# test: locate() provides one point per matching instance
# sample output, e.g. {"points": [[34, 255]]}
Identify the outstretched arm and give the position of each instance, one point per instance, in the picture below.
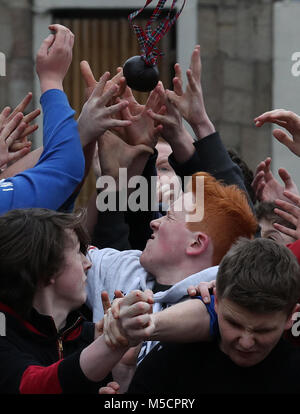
{"points": [[60, 167], [190, 102], [265, 185], [285, 119]]}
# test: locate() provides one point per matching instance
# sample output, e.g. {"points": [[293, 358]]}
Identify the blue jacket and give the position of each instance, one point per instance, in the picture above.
{"points": [[60, 168]]}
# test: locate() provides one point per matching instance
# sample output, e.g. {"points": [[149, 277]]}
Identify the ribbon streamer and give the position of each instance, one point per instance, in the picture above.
{"points": [[149, 38]]}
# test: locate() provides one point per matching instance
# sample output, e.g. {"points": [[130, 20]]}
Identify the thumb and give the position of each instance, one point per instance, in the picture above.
{"points": [[283, 137], [149, 295], [286, 178], [47, 43], [87, 74]]}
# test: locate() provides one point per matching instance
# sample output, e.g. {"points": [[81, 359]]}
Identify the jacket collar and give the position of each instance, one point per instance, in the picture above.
{"points": [[41, 325]]}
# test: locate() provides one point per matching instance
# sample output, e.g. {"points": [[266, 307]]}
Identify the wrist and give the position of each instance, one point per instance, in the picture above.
{"points": [[183, 147], [47, 84], [203, 128]]}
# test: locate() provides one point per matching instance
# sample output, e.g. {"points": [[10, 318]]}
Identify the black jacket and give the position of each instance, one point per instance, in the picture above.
{"points": [[37, 359]]}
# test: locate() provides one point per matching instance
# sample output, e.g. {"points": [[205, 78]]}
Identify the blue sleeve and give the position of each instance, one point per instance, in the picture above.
{"points": [[213, 324], [60, 168]]}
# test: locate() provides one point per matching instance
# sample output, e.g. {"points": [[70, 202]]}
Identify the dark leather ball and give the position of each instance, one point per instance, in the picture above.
{"points": [[140, 76]]}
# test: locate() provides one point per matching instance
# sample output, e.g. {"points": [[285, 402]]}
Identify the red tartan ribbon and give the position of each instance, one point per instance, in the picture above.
{"points": [[149, 38]]}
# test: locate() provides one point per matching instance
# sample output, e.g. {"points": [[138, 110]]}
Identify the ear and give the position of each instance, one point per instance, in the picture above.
{"points": [[198, 244], [290, 321]]}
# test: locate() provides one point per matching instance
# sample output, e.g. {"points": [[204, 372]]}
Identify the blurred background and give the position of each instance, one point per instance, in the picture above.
{"points": [[246, 48]]}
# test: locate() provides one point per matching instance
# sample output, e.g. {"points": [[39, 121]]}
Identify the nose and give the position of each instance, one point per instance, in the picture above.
{"points": [[154, 224], [246, 342]]}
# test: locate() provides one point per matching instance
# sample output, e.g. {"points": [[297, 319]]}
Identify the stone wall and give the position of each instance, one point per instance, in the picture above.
{"points": [[16, 44], [236, 42], [236, 48]]}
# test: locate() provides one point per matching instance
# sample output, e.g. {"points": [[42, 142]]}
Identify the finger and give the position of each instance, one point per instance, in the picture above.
{"points": [[258, 178], [191, 80], [29, 130], [17, 132], [118, 107], [286, 230], [17, 155], [108, 94], [134, 310], [111, 329], [192, 291], [4, 116], [87, 74], [17, 145], [286, 178], [136, 323], [260, 123], [62, 36], [122, 86], [22, 105], [177, 86], [149, 294], [119, 294], [286, 216], [157, 117], [31, 116], [115, 308], [204, 293], [260, 191], [99, 89], [293, 197], [12, 125], [105, 301], [277, 114], [178, 71], [195, 64], [46, 45], [284, 138], [133, 297]]}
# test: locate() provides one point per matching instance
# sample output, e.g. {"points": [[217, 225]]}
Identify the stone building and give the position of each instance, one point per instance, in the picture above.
{"points": [[246, 45]]}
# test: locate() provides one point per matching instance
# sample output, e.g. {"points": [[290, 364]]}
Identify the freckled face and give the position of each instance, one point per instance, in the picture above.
{"points": [[170, 237]]}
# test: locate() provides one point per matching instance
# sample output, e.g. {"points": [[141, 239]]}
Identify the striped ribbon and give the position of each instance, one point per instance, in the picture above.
{"points": [[149, 38]]}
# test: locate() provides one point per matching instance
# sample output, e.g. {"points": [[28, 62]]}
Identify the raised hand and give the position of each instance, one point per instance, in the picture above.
{"points": [[266, 187], [142, 129], [288, 120], [91, 83], [6, 116], [172, 129], [11, 132], [190, 102], [96, 116], [114, 154], [54, 58], [289, 211]]}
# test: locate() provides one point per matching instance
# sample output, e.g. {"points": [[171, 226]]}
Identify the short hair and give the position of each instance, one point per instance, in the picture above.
{"points": [[227, 215], [259, 275], [32, 249], [265, 210]]}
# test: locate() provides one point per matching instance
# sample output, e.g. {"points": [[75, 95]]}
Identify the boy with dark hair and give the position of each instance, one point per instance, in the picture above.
{"points": [[48, 347], [258, 286]]}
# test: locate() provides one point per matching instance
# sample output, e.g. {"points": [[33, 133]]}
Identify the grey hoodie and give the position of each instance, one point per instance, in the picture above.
{"points": [[112, 269]]}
